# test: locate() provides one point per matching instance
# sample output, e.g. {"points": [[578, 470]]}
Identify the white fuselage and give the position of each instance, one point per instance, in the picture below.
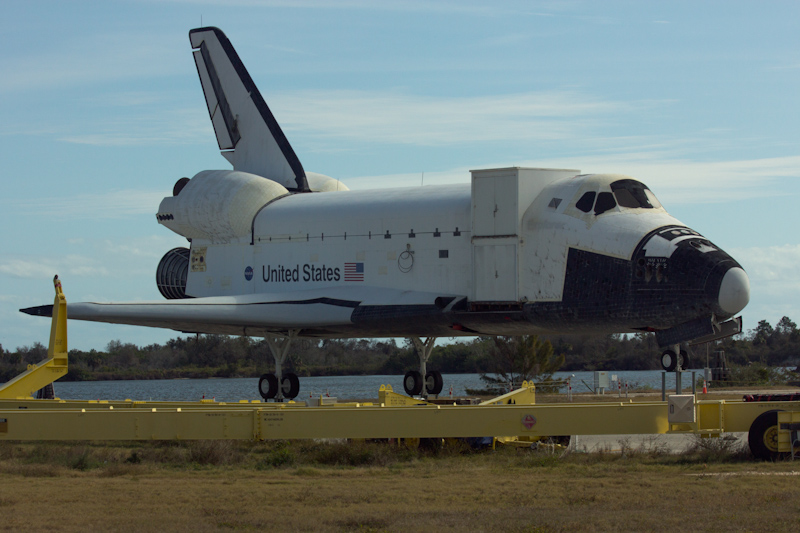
{"points": [[389, 238], [417, 239]]}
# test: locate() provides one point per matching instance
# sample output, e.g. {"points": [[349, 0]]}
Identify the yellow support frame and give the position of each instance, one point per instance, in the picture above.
{"points": [[45, 372], [287, 421], [390, 418]]}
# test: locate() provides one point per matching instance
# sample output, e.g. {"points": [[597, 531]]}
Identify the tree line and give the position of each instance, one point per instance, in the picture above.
{"points": [[221, 356]]}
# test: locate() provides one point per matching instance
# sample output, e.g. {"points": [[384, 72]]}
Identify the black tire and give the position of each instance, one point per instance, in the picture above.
{"points": [[763, 437], [563, 440], [669, 360], [290, 384], [434, 382], [268, 386], [412, 383], [46, 393], [684, 360]]}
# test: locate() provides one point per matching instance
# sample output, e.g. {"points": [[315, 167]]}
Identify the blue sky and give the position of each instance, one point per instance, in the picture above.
{"points": [[102, 112]]}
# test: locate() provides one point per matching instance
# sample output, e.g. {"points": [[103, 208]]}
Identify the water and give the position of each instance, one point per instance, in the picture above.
{"points": [[343, 387]]}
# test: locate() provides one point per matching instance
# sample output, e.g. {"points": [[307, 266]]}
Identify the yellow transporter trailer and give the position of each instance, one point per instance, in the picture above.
{"points": [[772, 425]]}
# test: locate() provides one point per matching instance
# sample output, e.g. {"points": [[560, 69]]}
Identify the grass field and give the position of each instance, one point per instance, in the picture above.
{"points": [[306, 486]]}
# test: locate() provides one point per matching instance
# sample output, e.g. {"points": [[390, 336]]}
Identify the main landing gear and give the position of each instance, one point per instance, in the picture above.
{"points": [[278, 386], [675, 357], [413, 383]]}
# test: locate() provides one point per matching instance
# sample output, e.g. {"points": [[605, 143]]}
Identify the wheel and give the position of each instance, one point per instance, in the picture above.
{"points": [[290, 385], [684, 360], [46, 393], [669, 360], [434, 382], [763, 437], [412, 382], [563, 440], [268, 386]]}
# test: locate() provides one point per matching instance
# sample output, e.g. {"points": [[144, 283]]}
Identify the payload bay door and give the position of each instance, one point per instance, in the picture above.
{"points": [[494, 205], [495, 269], [495, 223]]}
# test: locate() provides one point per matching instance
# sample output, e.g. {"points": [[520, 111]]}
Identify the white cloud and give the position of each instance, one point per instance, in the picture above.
{"points": [[135, 249], [144, 118], [27, 268], [144, 126], [372, 5], [772, 267], [47, 267], [683, 181], [774, 285], [679, 181], [393, 117], [512, 39], [93, 58], [787, 66], [112, 204]]}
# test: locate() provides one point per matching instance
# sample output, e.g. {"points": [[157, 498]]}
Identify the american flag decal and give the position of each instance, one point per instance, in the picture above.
{"points": [[354, 271]]}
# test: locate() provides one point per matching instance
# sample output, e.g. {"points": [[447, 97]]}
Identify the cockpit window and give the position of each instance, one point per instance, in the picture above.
{"points": [[605, 202], [632, 193], [652, 197], [586, 202]]}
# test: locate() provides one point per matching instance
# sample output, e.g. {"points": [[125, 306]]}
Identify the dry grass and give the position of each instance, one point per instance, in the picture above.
{"points": [[304, 486]]}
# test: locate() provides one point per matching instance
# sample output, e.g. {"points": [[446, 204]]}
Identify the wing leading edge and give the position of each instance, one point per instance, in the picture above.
{"points": [[318, 312]]}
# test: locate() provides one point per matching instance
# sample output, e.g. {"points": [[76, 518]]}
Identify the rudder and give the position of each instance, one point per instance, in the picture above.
{"points": [[247, 132]]}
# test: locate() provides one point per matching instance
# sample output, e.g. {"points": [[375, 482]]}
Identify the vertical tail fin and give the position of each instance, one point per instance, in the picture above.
{"points": [[247, 132]]}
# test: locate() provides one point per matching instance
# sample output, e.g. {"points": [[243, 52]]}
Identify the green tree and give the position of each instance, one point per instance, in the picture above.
{"points": [[513, 360], [786, 326], [763, 333]]}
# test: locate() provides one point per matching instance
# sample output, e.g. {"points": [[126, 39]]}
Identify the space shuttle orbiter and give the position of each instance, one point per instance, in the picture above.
{"points": [[279, 252]]}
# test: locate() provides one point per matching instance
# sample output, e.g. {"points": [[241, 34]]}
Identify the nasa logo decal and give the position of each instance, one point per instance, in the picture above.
{"points": [[248, 273]]}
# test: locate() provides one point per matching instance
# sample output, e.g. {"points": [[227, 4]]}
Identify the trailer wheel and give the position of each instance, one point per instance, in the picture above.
{"points": [[268, 386], [763, 437], [412, 383]]}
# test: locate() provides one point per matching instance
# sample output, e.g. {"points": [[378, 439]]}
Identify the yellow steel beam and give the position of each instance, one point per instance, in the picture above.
{"points": [[128, 424], [74, 420], [60, 404], [738, 416], [50, 369], [285, 422]]}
